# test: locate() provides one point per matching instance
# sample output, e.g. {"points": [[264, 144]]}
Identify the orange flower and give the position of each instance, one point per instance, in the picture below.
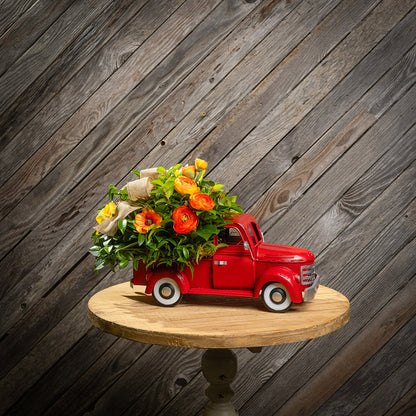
{"points": [[201, 202], [201, 164], [188, 171], [185, 220], [185, 185], [145, 219]]}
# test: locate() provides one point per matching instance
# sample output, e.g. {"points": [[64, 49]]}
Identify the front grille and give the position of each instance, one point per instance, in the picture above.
{"points": [[307, 274]]}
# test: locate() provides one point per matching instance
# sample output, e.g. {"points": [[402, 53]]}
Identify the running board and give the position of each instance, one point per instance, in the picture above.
{"points": [[223, 292]]}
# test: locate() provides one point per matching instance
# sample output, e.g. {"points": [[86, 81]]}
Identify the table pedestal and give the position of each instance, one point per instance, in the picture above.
{"points": [[219, 367]]}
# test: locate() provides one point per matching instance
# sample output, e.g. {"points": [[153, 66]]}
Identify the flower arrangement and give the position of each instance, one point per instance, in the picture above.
{"points": [[166, 217]]}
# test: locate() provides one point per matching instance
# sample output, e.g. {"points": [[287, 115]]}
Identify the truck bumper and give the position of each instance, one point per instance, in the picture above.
{"points": [[310, 292]]}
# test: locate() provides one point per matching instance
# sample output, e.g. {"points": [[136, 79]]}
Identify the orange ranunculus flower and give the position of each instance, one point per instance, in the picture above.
{"points": [[188, 171], [185, 185], [201, 202], [201, 164], [108, 211], [145, 219], [185, 220]]}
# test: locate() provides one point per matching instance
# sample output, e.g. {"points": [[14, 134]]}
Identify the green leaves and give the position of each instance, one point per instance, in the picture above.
{"points": [[207, 231], [122, 225], [114, 192]]}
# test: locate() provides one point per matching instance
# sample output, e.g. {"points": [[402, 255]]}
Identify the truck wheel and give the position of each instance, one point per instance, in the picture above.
{"points": [[275, 297], [167, 292]]}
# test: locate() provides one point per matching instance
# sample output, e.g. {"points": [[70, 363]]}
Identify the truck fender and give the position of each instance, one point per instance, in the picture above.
{"points": [[176, 275], [283, 275]]}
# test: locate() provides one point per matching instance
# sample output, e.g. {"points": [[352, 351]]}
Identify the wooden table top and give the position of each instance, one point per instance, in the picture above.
{"points": [[203, 321]]}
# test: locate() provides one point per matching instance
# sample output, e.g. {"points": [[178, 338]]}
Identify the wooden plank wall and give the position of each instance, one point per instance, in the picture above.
{"points": [[305, 109]]}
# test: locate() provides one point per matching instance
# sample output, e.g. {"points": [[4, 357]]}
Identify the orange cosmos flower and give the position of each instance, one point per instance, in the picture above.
{"points": [[185, 220], [201, 164], [145, 219], [185, 185], [201, 202]]}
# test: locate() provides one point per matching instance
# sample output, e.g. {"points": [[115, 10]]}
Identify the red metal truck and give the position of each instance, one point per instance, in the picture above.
{"points": [[247, 267]]}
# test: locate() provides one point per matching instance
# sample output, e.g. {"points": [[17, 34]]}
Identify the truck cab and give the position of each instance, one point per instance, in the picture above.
{"points": [[246, 267]]}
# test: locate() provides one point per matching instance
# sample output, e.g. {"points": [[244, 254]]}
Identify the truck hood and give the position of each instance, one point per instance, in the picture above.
{"points": [[283, 254]]}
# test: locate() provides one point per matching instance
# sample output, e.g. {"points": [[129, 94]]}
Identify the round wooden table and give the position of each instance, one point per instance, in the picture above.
{"points": [[216, 323]]}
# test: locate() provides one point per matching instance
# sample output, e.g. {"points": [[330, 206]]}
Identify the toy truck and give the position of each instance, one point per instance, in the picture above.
{"points": [[246, 267]]}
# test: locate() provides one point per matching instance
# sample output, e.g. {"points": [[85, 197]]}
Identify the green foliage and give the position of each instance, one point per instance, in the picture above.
{"points": [[161, 245]]}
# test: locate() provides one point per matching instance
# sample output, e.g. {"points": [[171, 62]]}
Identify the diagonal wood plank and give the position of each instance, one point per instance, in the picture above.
{"points": [[96, 379], [254, 108], [369, 187], [124, 393], [112, 362], [119, 84], [341, 99], [386, 204], [10, 11], [405, 406], [105, 44], [46, 313], [370, 376], [398, 119], [311, 90], [30, 26], [52, 42], [357, 352], [49, 350]]}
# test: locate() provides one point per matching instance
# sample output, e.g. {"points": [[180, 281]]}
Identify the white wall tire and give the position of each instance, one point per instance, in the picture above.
{"points": [[167, 292], [275, 297]]}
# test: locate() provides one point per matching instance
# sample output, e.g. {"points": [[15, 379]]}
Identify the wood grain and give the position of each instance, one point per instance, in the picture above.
{"points": [[195, 322], [405, 406], [307, 93], [104, 44], [47, 47], [10, 11], [304, 110], [368, 76], [29, 26], [368, 380], [399, 118]]}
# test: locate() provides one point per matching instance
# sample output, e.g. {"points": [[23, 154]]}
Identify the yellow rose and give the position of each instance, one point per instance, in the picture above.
{"points": [[108, 211]]}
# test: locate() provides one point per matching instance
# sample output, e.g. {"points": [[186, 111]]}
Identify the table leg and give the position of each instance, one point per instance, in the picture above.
{"points": [[219, 367]]}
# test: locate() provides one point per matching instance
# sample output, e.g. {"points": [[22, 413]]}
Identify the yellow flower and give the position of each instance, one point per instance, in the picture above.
{"points": [[108, 211], [188, 171], [201, 164], [185, 185]]}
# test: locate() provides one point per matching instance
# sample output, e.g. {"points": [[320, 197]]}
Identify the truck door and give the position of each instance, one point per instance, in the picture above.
{"points": [[233, 266]]}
